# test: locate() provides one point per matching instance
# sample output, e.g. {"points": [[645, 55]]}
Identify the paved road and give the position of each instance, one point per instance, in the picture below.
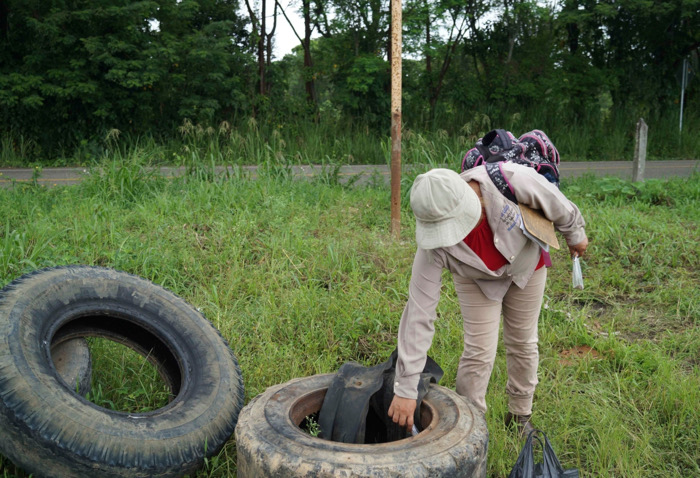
{"points": [[360, 174]]}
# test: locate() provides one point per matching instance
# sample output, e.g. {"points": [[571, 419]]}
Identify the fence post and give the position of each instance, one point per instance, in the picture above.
{"points": [[396, 43], [640, 151]]}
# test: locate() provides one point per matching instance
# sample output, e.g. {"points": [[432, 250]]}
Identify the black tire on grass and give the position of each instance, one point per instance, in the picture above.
{"points": [[48, 429], [271, 444]]}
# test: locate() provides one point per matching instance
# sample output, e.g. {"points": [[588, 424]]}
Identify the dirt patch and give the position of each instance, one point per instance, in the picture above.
{"points": [[653, 326], [200, 232], [595, 307], [570, 356]]}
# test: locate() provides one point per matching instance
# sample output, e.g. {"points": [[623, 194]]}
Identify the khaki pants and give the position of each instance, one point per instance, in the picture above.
{"points": [[521, 309]]}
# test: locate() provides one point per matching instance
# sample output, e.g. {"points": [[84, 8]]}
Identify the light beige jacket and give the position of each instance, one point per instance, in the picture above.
{"points": [[416, 329]]}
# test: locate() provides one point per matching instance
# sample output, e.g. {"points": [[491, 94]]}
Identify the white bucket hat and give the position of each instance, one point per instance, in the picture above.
{"points": [[446, 208]]}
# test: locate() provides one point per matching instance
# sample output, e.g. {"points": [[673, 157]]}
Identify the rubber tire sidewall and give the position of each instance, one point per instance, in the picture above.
{"points": [[270, 445], [73, 364], [49, 430]]}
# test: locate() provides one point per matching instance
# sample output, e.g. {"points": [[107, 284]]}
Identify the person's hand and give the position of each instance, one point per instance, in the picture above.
{"points": [[401, 411], [579, 249]]}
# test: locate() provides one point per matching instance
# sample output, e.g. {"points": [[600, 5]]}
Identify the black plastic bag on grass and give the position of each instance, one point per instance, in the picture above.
{"points": [[525, 466]]}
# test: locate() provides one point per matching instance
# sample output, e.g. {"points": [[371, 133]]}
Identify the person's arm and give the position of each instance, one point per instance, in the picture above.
{"points": [[416, 332], [532, 189]]}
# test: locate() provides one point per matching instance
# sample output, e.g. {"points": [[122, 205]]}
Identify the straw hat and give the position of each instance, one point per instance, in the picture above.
{"points": [[446, 208]]}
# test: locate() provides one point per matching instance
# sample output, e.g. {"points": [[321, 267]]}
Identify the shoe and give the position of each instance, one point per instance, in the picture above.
{"points": [[521, 423]]}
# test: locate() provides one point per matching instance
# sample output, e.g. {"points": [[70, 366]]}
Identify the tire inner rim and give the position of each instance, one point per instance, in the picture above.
{"points": [[121, 328], [311, 403]]}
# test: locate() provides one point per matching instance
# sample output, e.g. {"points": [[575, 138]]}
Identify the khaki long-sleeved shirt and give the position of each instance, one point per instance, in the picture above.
{"points": [[416, 329]]}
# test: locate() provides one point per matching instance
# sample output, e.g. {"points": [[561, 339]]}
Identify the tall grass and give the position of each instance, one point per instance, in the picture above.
{"points": [[608, 136], [17, 150], [301, 277], [124, 380]]}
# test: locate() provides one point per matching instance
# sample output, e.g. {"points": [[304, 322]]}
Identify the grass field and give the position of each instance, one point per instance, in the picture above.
{"points": [[337, 141], [301, 277]]}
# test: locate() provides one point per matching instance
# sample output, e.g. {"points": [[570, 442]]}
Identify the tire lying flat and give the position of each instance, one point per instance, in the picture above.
{"points": [[48, 429], [270, 444]]}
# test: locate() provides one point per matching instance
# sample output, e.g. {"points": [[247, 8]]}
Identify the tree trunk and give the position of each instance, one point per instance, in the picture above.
{"points": [[572, 30], [261, 50], [269, 37], [478, 58], [308, 64], [258, 32], [436, 87], [428, 56]]}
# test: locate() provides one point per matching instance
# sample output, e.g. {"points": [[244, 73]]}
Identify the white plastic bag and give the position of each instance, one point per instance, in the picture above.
{"points": [[577, 277]]}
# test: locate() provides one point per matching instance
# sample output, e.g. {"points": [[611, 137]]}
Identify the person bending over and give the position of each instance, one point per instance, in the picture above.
{"points": [[464, 224]]}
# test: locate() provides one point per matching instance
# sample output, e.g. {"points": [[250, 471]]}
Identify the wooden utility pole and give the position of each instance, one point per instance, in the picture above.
{"points": [[396, 41]]}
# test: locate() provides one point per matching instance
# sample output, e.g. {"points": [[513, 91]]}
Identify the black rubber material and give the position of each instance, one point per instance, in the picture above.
{"points": [[49, 430], [270, 442], [73, 363]]}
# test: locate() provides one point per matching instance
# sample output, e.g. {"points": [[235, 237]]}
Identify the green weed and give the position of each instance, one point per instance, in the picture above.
{"points": [[303, 276], [123, 380], [310, 425]]}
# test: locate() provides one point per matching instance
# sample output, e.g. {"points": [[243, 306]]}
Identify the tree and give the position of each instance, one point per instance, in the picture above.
{"points": [[637, 43], [206, 47], [71, 72], [354, 38], [263, 40], [306, 45], [66, 72]]}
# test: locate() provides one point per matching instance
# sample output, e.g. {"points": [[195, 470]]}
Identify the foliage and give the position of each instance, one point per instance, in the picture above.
{"points": [[301, 277], [71, 73], [583, 71]]}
